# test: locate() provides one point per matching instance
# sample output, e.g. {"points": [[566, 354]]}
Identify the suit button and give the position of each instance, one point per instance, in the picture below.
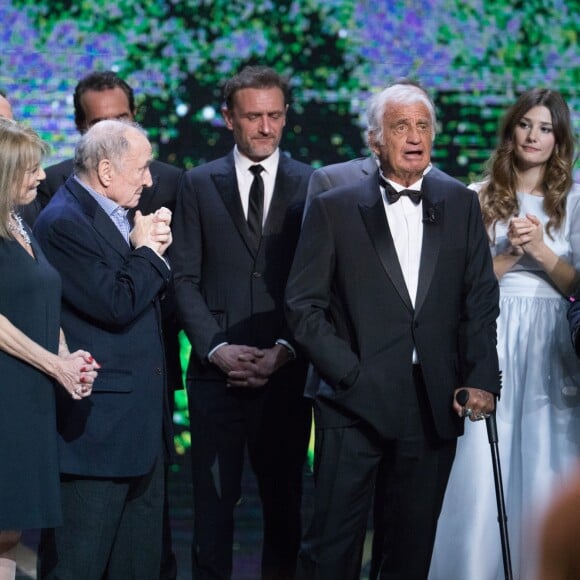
{"points": [[257, 274], [415, 325], [157, 371]]}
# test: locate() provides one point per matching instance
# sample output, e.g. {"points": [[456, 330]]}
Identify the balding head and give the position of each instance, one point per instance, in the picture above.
{"points": [[113, 158]]}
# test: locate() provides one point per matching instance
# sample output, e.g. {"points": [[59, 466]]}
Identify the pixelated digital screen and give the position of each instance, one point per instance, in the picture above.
{"points": [[473, 56]]}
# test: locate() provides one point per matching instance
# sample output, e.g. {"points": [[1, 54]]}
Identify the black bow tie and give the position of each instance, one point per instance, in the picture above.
{"points": [[393, 195]]}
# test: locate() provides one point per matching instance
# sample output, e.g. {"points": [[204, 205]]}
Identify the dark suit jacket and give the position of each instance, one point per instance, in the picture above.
{"points": [[349, 307], [166, 182], [110, 307], [339, 174], [227, 290]]}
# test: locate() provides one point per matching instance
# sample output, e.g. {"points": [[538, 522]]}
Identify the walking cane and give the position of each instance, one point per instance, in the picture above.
{"points": [[462, 397]]}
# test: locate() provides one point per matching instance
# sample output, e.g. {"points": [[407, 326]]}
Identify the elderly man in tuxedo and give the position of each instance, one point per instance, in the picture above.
{"points": [[323, 179], [236, 226], [112, 446], [393, 298]]}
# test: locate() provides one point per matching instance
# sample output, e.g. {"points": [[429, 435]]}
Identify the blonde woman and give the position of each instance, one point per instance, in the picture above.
{"points": [[33, 353]]}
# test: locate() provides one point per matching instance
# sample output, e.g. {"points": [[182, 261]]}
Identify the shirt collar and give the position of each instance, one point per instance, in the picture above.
{"points": [[414, 186], [270, 164], [108, 205]]}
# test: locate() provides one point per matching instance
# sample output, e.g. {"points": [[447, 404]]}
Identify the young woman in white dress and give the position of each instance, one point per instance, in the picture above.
{"points": [[531, 208]]}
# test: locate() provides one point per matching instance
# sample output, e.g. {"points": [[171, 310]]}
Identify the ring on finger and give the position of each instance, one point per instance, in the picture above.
{"points": [[467, 412]]}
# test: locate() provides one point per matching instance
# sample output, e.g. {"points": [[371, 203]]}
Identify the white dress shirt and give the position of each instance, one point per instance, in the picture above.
{"points": [[245, 178], [405, 221]]}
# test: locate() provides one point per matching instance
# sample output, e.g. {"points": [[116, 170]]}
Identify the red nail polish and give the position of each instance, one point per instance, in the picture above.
{"points": [[90, 359]]}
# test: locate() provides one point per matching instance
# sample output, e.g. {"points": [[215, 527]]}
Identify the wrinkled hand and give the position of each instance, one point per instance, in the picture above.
{"points": [[240, 364], [161, 231], [480, 404], [77, 372], [526, 233], [152, 230]]}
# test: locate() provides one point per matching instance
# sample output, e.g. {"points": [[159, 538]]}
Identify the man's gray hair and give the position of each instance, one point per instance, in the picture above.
{"points": [[404, 93], [105, 140]]}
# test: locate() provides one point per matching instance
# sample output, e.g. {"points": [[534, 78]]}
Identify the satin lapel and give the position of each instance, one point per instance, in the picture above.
{"points": [[433, 220], [227, 186], [285, 187], [375, 220], [102, 223]]}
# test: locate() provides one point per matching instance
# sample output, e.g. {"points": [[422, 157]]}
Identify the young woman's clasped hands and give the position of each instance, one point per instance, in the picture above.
{"points": [[526, 235]]}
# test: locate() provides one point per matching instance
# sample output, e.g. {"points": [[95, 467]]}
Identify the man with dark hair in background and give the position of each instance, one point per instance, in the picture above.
{"points": [[236, 225], [99, 96]]}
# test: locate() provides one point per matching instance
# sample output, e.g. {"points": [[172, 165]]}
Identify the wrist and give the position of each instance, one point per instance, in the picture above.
{"points": [[287, 349], [546, 258]]}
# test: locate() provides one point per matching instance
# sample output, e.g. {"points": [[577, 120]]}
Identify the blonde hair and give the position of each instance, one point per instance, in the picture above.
{"points": [[21, 149]]}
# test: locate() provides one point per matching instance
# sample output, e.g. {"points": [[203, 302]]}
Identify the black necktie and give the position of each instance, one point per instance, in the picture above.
{"points": [[256, 202], [393, 195]]}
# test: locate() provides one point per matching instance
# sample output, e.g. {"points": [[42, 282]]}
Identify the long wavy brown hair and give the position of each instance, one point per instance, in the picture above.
{"points": [[498, 195]]}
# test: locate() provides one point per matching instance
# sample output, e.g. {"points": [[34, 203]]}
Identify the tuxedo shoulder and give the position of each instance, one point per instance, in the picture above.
{"points": [[352, 165], [220, 165], [62, 168], [351, 193], [165, 169], [437, 176], [295, 165]]}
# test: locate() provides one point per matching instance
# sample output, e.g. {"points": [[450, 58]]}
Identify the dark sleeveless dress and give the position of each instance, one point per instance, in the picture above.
{"points": [[29, 474]]}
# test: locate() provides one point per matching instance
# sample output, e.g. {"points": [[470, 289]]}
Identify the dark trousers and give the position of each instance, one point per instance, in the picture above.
{"points": [[274, 424], [168, 559], [112, 529], [414, 470]]}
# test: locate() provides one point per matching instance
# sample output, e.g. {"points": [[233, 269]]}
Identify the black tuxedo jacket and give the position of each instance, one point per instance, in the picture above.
{"points": [[110, 307], [227, 290], [348, 305], [338, 175], [166, 182]]}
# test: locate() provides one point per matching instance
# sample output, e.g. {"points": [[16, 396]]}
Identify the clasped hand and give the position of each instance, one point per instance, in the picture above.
{"points": [[248, 366], [152, 230], [77, 373], [526, 235]]}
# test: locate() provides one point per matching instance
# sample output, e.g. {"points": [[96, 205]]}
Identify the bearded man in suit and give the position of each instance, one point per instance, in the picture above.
{"points": [[393, 298], [236, 226]]}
